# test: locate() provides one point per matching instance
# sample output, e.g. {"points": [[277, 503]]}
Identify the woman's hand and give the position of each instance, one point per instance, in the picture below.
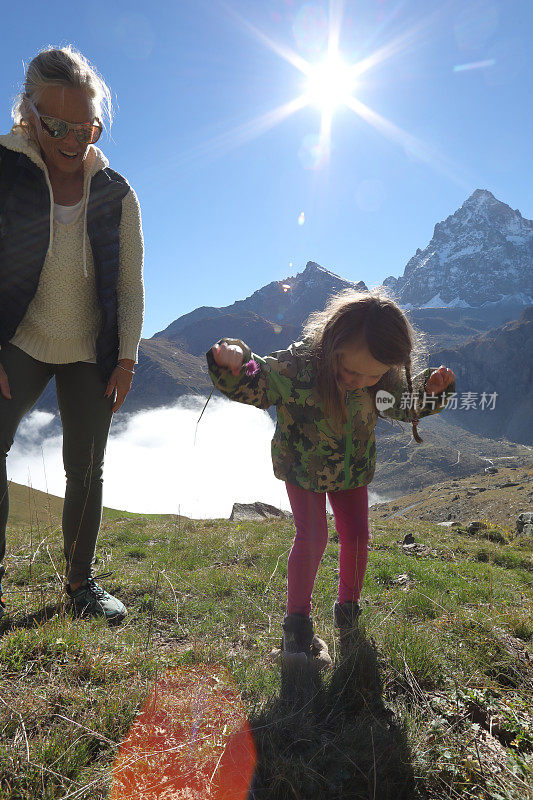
{"points": [[4, 384], [120, 381], [229, 356], [439, 380]]}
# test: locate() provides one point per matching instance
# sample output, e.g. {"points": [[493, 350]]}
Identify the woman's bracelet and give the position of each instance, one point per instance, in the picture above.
{"points": [[131, 371]]}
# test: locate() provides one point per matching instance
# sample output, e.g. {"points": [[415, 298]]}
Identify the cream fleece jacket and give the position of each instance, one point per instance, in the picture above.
{"points": [[63, 319]]}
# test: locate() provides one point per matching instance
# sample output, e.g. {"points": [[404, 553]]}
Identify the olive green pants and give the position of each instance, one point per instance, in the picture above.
{"points": [[85, 418]]}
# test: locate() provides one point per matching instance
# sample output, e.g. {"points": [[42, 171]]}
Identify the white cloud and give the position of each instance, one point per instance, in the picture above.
{"points": [[34, 423], [154, 465]]}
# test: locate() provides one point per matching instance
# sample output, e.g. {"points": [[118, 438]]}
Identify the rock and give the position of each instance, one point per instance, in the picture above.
{"points": [[243, 512], [401, 580], [416, 549], [409, 539], [321, 656], [491, 470], [524, 524], [475, 526]]}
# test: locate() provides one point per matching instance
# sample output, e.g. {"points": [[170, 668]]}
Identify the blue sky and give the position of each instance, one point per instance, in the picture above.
{"points": [[221, 198]]}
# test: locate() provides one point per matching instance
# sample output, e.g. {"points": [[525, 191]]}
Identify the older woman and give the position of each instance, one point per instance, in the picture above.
{"points": [[71, 292]]}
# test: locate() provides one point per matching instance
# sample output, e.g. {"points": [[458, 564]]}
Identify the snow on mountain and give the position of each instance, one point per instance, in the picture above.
{"points": [[481, 254]]}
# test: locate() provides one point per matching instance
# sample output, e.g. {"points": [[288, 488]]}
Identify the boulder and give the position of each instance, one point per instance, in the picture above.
{"points": [[243, 512], [475, 526], [524, 524]]}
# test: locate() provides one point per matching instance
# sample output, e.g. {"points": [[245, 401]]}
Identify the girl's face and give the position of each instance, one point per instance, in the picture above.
{"points": [[357, 368], [72, 105]]}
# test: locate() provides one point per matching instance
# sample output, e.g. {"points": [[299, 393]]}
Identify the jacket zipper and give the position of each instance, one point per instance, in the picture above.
{"points": [[348, 446]]}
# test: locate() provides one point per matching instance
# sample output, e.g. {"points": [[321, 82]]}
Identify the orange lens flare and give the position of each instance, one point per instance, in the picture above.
{"points": [[191, 740]]}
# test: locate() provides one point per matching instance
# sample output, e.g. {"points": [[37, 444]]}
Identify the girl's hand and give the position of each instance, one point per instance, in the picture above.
{"points": [[4, 384], [228, 356], [439, 380], [120, 381]]}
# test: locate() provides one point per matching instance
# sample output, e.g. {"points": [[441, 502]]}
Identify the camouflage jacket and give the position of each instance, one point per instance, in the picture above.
{"points": [[306, 451]]}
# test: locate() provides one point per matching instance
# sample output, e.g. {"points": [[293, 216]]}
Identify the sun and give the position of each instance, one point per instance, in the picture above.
{"points": [[330, 84]]}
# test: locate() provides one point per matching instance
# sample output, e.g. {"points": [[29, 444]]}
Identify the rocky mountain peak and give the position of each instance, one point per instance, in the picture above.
{"points": [[284, 303], [484, 212], [311, 267], [315, 275], [482, 253], [480, 197]]}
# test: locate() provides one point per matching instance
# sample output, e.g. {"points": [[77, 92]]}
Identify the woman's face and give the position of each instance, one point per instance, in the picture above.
{"points": [[357, 368], [71, 105]]}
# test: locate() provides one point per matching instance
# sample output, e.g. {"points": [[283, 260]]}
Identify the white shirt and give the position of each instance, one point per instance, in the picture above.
{"points": [[67, 214]]}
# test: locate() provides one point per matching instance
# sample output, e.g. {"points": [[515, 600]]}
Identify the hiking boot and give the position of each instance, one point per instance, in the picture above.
{"points": [[91, 600], [346, 620], [299, 644], [297, 638]]}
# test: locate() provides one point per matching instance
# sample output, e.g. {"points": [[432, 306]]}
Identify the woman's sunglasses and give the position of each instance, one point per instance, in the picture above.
{"points": [[85, 132]]}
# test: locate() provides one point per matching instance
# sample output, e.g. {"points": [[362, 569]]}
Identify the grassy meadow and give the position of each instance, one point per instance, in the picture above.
{"points": [[433, 702]]}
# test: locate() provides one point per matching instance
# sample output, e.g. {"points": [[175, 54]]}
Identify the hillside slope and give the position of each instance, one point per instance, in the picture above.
{"points": [[495, 498], [431, 700]]}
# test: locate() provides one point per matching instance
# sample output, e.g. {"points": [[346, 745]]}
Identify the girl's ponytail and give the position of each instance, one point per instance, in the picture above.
{"points": [[415, 419]]}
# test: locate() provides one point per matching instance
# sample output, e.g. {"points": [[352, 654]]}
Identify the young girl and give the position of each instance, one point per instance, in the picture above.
{"points": [[353, 365]]}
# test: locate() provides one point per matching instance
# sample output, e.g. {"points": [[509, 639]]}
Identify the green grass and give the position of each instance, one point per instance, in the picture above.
{"points": [[443, 660]]}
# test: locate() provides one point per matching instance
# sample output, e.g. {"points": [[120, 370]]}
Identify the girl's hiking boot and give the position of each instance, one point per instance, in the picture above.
{"points": [[91, 600], [346, 620], [297, 639], [300, 645]]}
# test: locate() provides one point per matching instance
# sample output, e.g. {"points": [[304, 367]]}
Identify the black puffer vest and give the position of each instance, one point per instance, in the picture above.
{"points": [[24, 238]]}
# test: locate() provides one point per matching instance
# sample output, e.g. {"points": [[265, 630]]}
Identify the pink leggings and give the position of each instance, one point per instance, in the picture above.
{"points": [[350, 509]]}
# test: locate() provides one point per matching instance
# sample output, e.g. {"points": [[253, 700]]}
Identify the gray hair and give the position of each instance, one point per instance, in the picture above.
{"points": [[61, 66]]}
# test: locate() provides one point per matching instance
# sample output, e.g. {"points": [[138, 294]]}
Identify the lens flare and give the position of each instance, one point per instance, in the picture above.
{"points": [[301, 218], [191, 739], [331, 83], [314, 152], [310, 29], [489, 62]]}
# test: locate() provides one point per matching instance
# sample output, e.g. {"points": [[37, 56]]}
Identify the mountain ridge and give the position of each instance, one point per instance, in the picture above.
{"points": [[483, 238]]}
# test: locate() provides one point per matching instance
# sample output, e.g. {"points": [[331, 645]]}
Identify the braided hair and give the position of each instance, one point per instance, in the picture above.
{"points": [[414, 420]]}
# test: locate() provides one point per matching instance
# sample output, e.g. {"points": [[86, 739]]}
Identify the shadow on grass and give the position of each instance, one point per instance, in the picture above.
{"points": [[33, 620], [332, 741]]}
